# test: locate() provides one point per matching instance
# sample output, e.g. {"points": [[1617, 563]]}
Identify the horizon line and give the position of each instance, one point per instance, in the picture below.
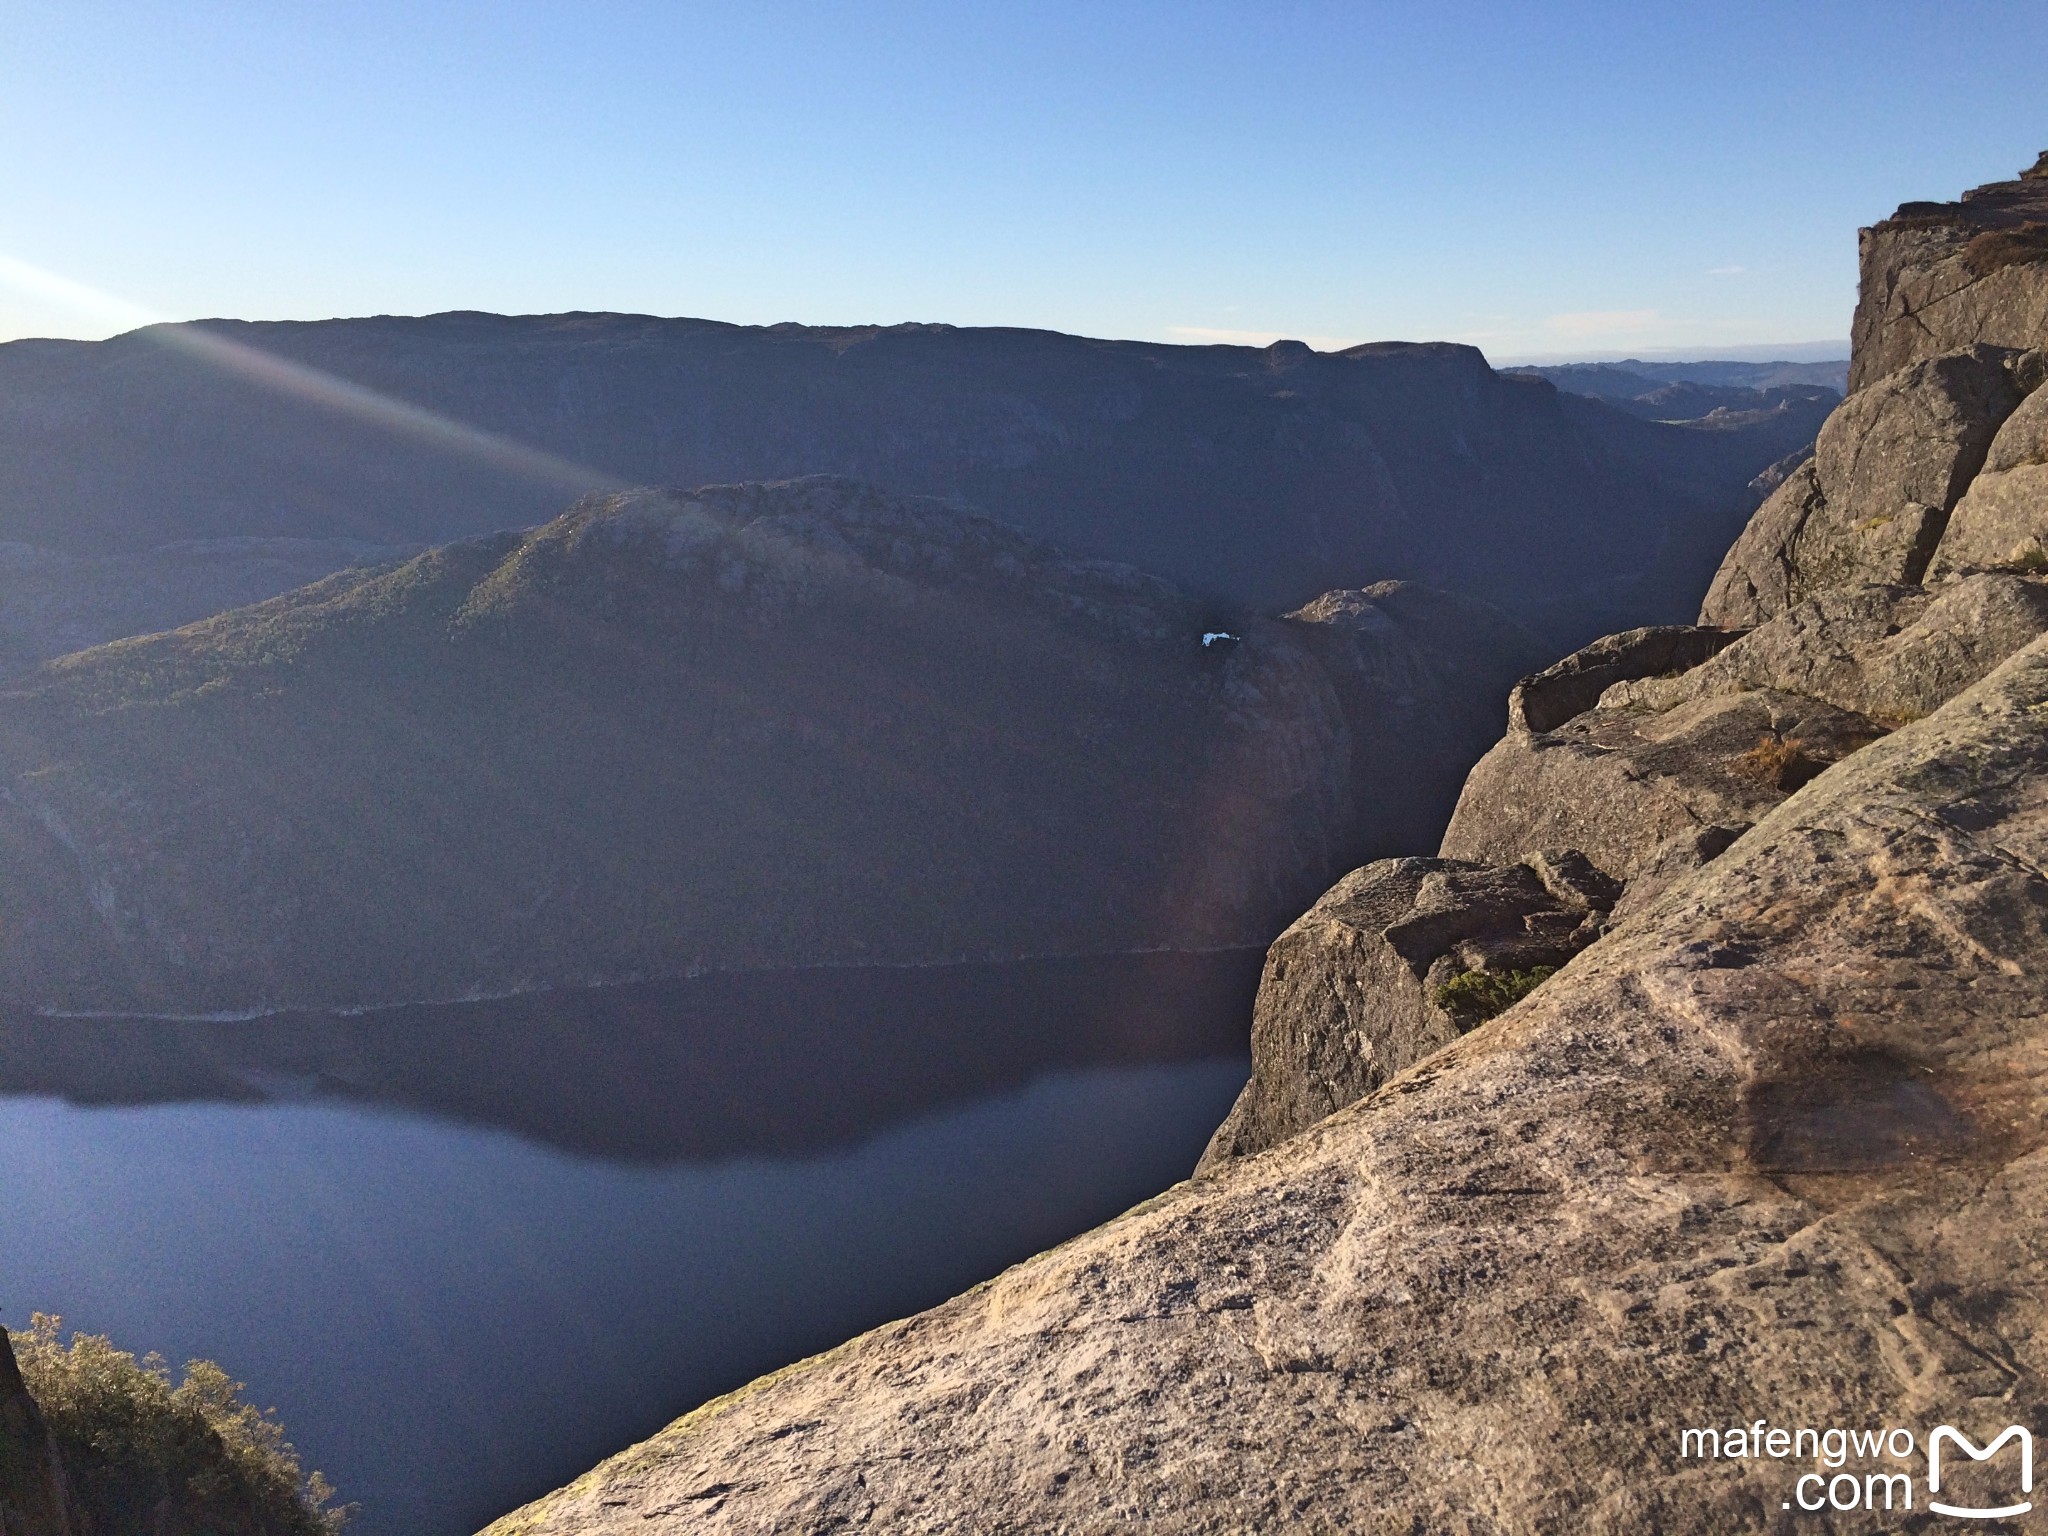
{"points": [[1746, 352]]}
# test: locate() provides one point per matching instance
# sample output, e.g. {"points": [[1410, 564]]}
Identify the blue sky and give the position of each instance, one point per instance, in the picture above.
{"points": [[1539, 179]]}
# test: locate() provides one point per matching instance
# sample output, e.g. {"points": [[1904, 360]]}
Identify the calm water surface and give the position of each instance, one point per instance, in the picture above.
{"points": [[452, 1318]]}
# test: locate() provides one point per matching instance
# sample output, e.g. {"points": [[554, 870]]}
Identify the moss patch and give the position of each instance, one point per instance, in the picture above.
{"points": [[1473, 997]]}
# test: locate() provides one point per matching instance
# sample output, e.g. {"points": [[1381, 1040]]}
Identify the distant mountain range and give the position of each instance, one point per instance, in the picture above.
{"points": [[1701, 395], [1253, 475], [1633, 376], [776, 722]]}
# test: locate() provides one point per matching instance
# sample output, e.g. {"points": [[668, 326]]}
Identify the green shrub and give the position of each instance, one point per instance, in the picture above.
{"points": [[1473, 997], [130, 1440]]}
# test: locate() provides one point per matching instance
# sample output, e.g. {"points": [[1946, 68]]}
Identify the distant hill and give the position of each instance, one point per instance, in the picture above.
{"points": [[1253, 475], [749, 726]]}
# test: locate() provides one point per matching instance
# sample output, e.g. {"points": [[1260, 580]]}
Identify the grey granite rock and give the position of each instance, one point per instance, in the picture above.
{"points": [[1891, 464], [1758, 577], [1773, 1150], [1350, 996], [1663, 756], [1616, 783], [1893, 653], [1937, 276], [1671, 861], [2002, 520], [1572, 686]]}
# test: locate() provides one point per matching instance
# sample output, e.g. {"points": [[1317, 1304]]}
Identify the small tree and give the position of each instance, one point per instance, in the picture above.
{"points": [[194, 1456]]}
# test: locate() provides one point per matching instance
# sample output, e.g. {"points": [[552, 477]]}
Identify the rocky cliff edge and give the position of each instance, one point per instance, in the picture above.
{"points": [[1761, 1143]]}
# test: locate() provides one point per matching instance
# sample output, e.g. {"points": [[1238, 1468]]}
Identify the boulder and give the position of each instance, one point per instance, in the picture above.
{"points": [[1353, 991], [1773, 1150], [1663, 756], [1892, 653], [1757, 577], [1890, 466], [2002, 520], [1616, 782], [1572, 686]]}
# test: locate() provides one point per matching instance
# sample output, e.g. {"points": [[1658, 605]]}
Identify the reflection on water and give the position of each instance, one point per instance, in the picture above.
{"points": [[707, 1066], [452, 1318]]}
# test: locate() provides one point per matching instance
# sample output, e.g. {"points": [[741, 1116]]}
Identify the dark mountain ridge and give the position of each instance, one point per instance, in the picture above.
{"points": [[1695, 401], [1258, 475]]}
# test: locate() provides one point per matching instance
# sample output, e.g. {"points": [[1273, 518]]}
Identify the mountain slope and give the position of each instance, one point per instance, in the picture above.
{"points": [[1262, 476], [779, 725]]}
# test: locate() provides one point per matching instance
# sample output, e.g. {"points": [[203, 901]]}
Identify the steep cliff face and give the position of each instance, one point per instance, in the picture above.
{"points": [[1767, 1146], [1938, 277], [1651, 752], [1889, 470], [749, 726]]}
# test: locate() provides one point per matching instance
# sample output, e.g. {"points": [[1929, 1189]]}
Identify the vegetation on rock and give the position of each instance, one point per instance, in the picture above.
{"points": [[142, 1453], [1473, 997]]}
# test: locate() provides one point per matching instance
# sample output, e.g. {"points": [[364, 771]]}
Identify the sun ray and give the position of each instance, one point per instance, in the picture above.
{"points": [[400, 417]]}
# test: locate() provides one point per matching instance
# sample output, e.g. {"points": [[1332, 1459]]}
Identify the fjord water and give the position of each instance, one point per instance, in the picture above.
{"points": [[466, 1257]]}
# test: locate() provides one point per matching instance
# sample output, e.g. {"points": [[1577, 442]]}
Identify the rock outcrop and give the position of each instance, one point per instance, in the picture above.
{"points": [[1619, 781], [2002, 519], [1677, 754], [1366, 983], [1874, 501], [1570, 687], [1941, 276]]}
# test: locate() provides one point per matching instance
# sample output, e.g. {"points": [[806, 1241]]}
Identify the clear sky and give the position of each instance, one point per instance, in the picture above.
{"points": [[1536, 178]]}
